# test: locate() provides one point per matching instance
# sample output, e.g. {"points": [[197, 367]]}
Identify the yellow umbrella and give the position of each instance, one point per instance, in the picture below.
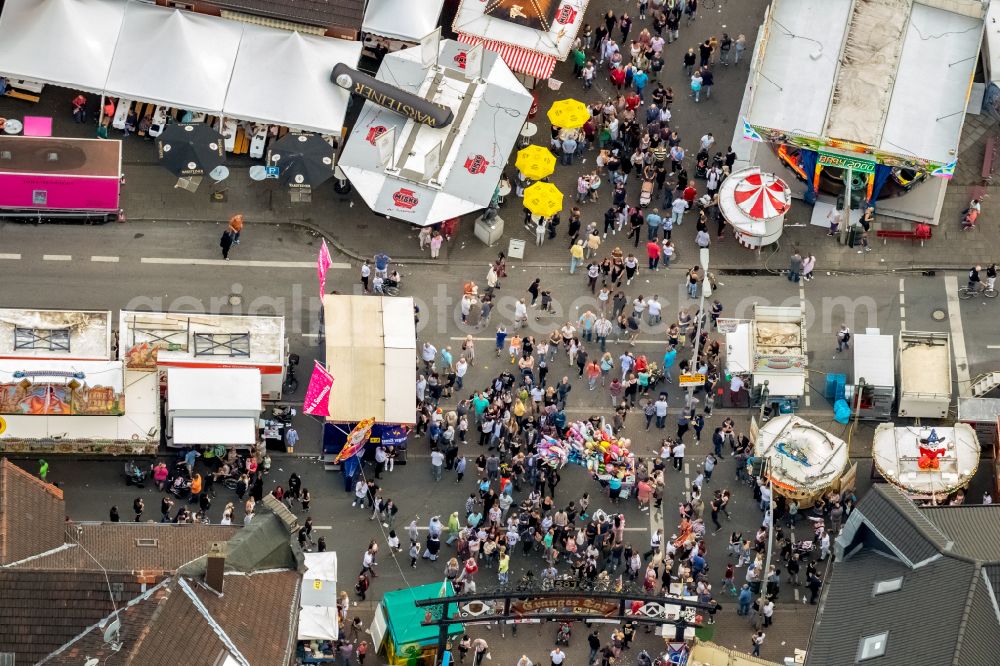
{"points": [[543, 199], [568, 113], [535, 162]]}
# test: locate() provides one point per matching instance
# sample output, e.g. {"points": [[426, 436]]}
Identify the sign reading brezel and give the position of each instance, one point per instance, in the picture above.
{"points": [[405, 103]]}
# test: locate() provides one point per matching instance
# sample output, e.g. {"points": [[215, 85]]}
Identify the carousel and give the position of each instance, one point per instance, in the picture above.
{"points": [[929, 464], [802, 461], [755, 204]]}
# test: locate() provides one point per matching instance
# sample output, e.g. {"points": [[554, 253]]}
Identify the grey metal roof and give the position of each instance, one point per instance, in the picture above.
{"points": [[979, 633], [975, 529], [889, 512], [850, 612]]}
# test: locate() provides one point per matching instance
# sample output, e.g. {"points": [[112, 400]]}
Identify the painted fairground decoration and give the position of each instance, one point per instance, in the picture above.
{"points": [[782, 137], [59, 394], [460, 59], [404, 198], [537, 14]]}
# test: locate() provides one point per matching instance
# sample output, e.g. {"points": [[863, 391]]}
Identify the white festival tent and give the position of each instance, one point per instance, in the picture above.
{"points": [[405, 20], [139, 51], [474, 148]]}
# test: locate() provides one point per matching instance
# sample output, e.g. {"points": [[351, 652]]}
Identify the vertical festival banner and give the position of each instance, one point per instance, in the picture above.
{"points": [[323, 264], [317, 400]]}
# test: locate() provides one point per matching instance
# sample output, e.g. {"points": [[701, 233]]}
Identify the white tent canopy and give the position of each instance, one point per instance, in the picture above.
{"points": [[174, 58], [402, 19], [284, 78], [140, 51], [318, 602], [64, 42]]}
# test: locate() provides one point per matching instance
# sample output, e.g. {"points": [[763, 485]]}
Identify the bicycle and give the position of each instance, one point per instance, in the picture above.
{"points": [[965, 293]]}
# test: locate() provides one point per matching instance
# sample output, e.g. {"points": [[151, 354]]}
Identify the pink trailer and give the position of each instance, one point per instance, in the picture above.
{"points": [[59, 179]]}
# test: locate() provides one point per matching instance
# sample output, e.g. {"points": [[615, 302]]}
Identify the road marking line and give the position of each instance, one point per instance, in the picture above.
{"points": [[993, 346], [309, 335], [902, 312], [57, 257], [902, 298], [236, 262], [107, 260], [12, 255], [958, 337], [902, 301], [322, 527]]}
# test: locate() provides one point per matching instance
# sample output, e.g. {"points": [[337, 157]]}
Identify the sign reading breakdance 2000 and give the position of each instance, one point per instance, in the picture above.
{"points": [[402, 102]]}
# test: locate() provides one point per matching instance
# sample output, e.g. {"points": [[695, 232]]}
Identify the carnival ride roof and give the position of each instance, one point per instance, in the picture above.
{"points": [[803, 458], [896, 453]]}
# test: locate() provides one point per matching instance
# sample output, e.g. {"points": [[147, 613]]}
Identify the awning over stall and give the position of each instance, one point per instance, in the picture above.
{"points": [[63, 42], [519, 59], [143, 52], [190, 431], [283, 78], [404, 20]]}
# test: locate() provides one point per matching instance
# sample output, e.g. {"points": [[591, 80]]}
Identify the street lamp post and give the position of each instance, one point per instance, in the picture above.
{"points": [[706, 290]]}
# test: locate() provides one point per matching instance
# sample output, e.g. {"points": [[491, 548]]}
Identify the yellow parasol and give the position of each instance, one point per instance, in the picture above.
{"points": [[568, 113], [543, 199], [535, 162]]}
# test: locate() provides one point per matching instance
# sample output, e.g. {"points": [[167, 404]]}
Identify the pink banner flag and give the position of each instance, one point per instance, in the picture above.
{"points": [[317, 400], [322, 266]]}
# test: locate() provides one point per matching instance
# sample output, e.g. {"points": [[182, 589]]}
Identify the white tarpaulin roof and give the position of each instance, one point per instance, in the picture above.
{"points": [[174, 57], [371, 350], [475, 146], [406, 20], [140, 51], [318, 623], [65, 42], [215, 430], [318, 600], [284, 78], [850, 71]]}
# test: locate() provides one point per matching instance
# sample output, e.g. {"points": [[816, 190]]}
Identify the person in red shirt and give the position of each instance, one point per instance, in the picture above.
{"points": [[653, 253], [618, 77], [633, 101], [689, 194]]}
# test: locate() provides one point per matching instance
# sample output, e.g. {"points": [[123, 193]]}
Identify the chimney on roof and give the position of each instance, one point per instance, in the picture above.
{"points": [[215, 567]]}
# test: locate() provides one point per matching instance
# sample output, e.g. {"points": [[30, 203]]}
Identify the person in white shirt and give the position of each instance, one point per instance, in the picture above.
{"points": [[679, 206], [461, 368], [735, 386], [520, 313], [360, 490], [654, 307], [707, 141], [557, 656], [437, 464]]}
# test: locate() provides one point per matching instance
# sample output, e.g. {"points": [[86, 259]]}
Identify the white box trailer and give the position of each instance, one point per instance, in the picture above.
{"points": [[213, 406], [875, 363], [924, 374]]}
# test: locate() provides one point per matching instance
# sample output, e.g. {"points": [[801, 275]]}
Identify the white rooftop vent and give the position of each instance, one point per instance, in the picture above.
{"points": [[872, 646]]}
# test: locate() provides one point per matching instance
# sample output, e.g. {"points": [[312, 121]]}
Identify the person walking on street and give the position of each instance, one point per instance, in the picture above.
{"points": [[843, 338], [366, 272], [226, 242], [795, 267], [480, 649], [757, 640]]}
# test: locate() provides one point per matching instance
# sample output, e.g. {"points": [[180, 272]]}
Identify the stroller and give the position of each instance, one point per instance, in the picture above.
{"points": [[646, 194]]}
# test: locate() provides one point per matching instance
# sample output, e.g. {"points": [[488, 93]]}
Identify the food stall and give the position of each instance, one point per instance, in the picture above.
{"points": [[62, 391], [926, 463], [803, 461], [874, 388], [423, 173], [212, 407], [401, 23], [529, 36], [769, 348], [755, 203], [397, 633], [318, 620], [156, 341], [371, 347]]}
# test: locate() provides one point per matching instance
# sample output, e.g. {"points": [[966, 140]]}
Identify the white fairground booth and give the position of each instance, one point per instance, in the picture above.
{"points": [[210, 407], [62, 390]]}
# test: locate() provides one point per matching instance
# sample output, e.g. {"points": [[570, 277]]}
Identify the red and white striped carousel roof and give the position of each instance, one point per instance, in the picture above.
{"points": [[762, 196]]}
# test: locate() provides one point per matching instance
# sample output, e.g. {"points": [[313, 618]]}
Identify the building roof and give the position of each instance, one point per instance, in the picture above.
{"points": [[32, 513], [253, 622], [42, 610], [940, 561], [846, 72], [323, 13], [130, 547]]}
